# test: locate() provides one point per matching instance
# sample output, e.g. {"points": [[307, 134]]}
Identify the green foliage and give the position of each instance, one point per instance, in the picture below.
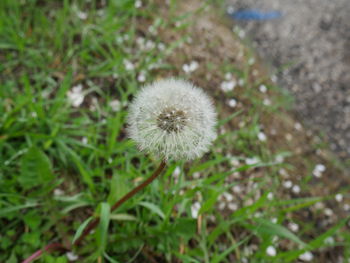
{"points": [[59, 163]]}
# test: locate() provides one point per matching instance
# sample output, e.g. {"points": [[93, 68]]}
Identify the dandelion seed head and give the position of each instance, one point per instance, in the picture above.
{"points": [[172, 119]]}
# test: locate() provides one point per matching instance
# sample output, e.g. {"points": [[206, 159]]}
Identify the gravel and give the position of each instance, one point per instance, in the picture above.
{"points": [[311, 43]]}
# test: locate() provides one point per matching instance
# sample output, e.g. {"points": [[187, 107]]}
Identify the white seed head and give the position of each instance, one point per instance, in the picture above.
{"points": [[172, 119]]}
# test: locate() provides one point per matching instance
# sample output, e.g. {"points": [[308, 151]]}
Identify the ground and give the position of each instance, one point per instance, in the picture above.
{"points": [[309, 45]]}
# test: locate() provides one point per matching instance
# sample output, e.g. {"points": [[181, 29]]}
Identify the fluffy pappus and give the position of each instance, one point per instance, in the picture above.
{"points": [[172, 119]]}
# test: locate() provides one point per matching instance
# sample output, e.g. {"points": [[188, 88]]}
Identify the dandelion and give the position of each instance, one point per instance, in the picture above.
{"points": [[172, 119]]}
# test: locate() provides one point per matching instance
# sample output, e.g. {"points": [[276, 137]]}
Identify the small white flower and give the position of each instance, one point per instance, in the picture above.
{"points": [[232, 103], [329, 241], [76, 96], [228, 76], [172, 119], [262, 136], [241, 82], [251, 161], [232, 206], [188, 68], [177, 172], [267, 102], [230, 9], [128, 65], [318, 170], [270, 196], [82, 15], [262, 88], [141, 77], [296, 189], [138, 3], [228, 85], [328, 211], [58, 192], [307, 256], [195, 209], [346, 207], [339, 197], [71, 256], [288, 184], [293, 226], [84, 140], [251, 61], [271, 251], [115, 105]]}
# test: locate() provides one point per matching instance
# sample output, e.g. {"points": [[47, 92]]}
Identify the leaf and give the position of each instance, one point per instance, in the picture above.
{"points": [[36, 169], [81, 229], [267, 227], [118, 188], [105, 210], [185, 227], [123, 217], [154, 208]]}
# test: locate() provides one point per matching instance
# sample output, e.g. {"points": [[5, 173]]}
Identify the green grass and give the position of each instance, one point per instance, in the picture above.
{"points": [[46, 144]]}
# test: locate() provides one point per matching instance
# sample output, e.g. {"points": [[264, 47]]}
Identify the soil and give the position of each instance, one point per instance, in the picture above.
{"points": [[311, 41]]}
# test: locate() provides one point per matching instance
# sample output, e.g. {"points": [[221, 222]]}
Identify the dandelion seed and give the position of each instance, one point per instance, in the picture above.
{"points": [[318, 170], [172, 119], [307, 256], [271, 251], [195, 209], [346, 207], [84, 140]]}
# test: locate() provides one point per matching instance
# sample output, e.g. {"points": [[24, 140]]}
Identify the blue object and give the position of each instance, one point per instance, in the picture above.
{"points": [[253, 14]]}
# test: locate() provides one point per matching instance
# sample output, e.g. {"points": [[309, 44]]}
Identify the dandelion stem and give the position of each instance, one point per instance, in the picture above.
{"points": [[94, 223], [126, 197]]}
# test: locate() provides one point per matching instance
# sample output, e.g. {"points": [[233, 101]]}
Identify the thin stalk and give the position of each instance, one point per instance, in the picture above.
{"points": [[94, 223]]}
